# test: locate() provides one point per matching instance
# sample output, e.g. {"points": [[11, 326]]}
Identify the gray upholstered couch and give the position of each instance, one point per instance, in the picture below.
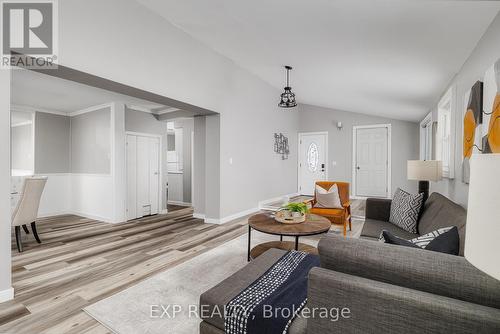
{"points": [[438, 212], [387, 288]]}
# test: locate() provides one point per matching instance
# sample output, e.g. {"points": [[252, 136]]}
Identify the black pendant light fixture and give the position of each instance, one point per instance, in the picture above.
{"points": [[287, 97]]}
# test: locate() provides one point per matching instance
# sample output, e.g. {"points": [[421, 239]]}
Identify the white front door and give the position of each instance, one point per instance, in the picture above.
{"points": [[312, 160], [371, 161]]}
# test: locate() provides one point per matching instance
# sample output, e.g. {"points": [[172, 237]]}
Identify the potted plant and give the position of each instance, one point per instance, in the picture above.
{"points": [[296, 209]]}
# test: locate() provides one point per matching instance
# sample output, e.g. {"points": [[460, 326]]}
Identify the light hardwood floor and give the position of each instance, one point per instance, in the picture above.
{"points": [[82, 261]]}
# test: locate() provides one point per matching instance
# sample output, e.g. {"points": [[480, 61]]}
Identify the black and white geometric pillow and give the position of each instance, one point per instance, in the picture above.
{"points": [[405, 208], [424, 240], [445, 240]]}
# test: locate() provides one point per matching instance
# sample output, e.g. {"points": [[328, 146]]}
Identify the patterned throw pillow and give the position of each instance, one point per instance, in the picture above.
{"points": [[405, 209], [445, 240]]}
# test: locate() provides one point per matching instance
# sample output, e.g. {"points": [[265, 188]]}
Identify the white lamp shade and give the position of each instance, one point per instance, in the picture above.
{"points": [[428, 170], [482, 234]]}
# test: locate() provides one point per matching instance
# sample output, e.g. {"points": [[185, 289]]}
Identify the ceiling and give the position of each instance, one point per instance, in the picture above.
{"points": [[387, 58], [36, 90]]}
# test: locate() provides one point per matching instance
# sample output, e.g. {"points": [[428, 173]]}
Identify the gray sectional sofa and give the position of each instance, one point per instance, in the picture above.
{"points": [[438, 212], [387, 288]]}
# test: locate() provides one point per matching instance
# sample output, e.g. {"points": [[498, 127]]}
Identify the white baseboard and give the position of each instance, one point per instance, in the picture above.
{"points": [[94, 217], [212, 221], [263, 204], [59, 213], [6, 295], [238, 215], [199, 216], [179, 203]]}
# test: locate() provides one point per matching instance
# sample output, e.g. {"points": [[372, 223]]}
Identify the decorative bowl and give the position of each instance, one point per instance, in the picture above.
{"points": [[288, 217]]}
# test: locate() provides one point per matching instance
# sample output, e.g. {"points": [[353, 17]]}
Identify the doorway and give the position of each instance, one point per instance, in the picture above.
{"points": [[312, 164], [143, 175], [371, 172]]}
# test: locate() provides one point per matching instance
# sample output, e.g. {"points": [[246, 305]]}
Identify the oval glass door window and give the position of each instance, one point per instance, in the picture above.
{"points": [[312, 157]]}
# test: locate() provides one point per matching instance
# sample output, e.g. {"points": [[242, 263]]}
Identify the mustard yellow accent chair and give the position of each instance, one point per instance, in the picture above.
{"points": [[336, 216]]}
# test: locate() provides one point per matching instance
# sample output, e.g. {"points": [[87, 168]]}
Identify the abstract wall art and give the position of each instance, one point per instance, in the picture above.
{"points": [[281, 145], [482, 118], [491, 111], [473, 119]]}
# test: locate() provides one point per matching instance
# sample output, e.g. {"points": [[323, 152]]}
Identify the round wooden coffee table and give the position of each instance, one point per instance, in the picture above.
{"points": [[265, 223]]}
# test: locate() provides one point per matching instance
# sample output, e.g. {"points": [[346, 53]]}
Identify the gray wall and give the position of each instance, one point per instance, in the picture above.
{"points": [[487, 51], [52, 143], [5, 170], [207, 187], [187, 126], [199, 147], [138, 121], [91, 142], [212, 167], [22, 147], [405, 141]]}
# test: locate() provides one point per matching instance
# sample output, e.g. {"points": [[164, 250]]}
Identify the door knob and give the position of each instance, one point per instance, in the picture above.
{"points": [[358, 167]]}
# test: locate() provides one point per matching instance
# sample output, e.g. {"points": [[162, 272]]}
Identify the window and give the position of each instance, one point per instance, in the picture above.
{"points": [[444, 140], [312, 157], [427, 138]]}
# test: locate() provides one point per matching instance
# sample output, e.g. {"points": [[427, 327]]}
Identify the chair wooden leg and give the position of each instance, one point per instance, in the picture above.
{"points": [[25, 228], [18, 239], [350, 224], [345, 228], [33, 228]]}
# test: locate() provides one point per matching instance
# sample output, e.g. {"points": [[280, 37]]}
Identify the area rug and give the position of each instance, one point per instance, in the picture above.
{"points": [[141, 308]]}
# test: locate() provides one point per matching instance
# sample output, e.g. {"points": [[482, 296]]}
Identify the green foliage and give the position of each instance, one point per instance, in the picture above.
{"points": [[297, 207]]}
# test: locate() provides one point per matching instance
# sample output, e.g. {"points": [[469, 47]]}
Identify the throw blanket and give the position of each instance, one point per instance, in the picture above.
{"points": [[270, 304]]}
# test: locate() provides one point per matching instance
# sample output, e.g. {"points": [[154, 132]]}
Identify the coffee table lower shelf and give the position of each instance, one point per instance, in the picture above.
{"points": [[284, 245]]}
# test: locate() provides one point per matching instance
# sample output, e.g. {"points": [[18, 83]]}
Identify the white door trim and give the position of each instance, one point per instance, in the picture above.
{"points": [[160, 179], [298, 156], [389, 156]]}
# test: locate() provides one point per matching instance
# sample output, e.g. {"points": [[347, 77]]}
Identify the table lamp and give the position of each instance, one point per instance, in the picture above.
{"points": [[424, 171], [482, 230]]}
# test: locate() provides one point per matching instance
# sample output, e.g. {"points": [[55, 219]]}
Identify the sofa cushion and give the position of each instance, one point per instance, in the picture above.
{"points": [[445, 240], [441, 212], [373, 228], [327, 212], [405, 209], [218, 296]]}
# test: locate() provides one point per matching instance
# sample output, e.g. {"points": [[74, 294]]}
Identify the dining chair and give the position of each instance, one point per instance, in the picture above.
{"points": [[26, 210]]}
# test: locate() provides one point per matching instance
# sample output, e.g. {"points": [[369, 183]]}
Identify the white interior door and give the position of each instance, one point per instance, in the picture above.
{"points": [[371, 163], [154, 174], [143, 176], [313, 149], [131, 177]]}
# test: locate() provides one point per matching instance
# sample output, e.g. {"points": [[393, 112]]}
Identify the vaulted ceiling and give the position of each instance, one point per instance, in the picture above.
{"points": [[382, 57]]}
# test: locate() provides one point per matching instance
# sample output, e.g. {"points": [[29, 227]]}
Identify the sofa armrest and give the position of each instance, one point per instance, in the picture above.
{"points": [[433, 272], [378, 209], [361, 305]]}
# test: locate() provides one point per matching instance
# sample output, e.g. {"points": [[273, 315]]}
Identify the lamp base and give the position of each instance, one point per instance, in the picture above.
{"points": [[423, 187]]}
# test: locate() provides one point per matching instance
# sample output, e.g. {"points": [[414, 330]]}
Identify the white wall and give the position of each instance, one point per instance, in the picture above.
{"points": [[182, 68], [484, 55], [56, 197], [6, 291]]}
